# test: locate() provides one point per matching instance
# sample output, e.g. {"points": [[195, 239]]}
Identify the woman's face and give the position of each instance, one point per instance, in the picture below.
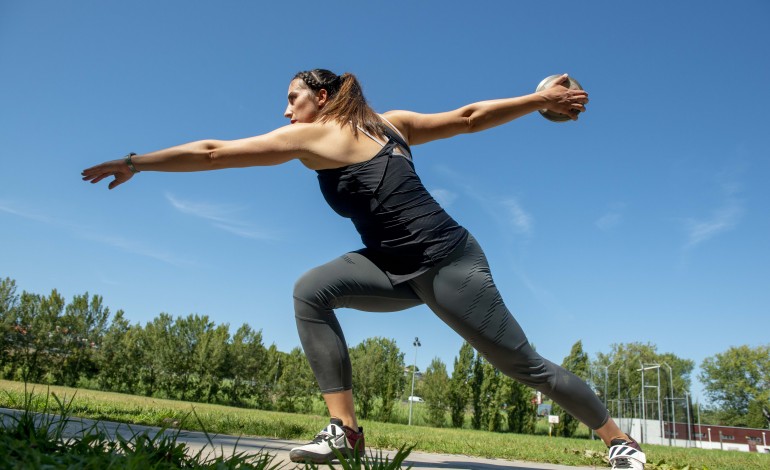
{"points": [[304, 103]]}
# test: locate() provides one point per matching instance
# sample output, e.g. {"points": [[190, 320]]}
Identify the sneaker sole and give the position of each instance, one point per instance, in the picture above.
{"points": [[301, 456]]}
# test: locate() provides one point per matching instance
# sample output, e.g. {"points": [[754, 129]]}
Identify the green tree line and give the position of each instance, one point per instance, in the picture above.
{"points": [[80, 343]]}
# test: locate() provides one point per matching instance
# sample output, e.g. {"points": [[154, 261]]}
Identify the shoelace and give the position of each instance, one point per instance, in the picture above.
{"points": [[322, 436], [621, 463]]}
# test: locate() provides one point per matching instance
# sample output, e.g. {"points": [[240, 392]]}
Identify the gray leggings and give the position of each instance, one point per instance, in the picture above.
{"points": [[461, 292]]}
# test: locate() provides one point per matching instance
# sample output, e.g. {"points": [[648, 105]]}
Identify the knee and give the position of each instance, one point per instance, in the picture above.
{"points": [[311, 290], [526, 366]]}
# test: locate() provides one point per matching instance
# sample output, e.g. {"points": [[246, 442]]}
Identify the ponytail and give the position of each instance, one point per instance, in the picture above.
{"points": [[347, 105]]}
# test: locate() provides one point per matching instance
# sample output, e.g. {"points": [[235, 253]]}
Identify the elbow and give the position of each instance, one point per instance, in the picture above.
{"points": [[473, 120], [471, 125], [212, 154]]}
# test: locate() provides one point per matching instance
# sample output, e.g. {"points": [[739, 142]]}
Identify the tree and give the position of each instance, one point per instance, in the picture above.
{"points": [[460, 385], [81, 330], [577, 363], [248, 367], [274, 370], [36, 355], [210, 359], [477, 380], [199, 351], [378, 367], [627, 359], [520, 407], [121, 357], [296, 385], [435, 383], [157, 377], [492, 397], [9, 302], [735, 379], [758, 415]]}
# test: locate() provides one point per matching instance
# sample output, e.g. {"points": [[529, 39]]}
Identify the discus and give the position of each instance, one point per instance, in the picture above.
{"points": [[572, 84]]}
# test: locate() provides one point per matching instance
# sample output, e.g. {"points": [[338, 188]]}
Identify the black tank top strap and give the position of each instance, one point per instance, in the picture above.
{"points": [[393, 134]]}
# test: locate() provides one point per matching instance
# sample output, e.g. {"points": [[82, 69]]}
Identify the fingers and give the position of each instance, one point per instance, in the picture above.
{"points": [[98, 178], [563, 81], [95, 176], [119, 179], [104, 170]]}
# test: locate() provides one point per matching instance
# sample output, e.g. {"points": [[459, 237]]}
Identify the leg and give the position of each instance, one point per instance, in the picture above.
{"points": [[341, 405], [611, 431], [462, 293], [349, 281]]}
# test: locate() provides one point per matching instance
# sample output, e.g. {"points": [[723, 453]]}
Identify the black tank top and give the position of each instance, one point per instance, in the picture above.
{"points": [[403, 228]]}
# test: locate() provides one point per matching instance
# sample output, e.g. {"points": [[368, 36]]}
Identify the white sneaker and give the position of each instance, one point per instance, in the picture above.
{"points": [[334, 436], [626, 454]]}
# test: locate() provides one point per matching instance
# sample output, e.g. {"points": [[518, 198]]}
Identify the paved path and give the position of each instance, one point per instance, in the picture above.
{"points": [[280, 448]]}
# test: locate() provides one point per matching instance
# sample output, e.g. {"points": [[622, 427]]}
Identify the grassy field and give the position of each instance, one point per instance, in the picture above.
{"points": [[237, 421]]}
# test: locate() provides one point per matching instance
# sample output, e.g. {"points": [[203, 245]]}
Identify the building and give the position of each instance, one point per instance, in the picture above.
{"points": [[704, 436]]}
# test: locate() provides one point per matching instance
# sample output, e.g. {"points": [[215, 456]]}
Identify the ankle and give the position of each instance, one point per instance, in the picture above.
{"points": [[348, 421]]}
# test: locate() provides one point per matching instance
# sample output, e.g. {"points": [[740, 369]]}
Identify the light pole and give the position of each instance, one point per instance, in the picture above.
{"points": [[416, 345], [673, 410], [606, 381], [644, 412], [687, 406], [644, 417], [700, 431], [620, 413]]}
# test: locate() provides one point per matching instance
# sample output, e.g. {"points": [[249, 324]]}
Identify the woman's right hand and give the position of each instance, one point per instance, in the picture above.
{"points": [[563, 100], [117, 168]]}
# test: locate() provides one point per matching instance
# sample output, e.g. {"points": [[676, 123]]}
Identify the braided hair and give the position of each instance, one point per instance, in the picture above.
{"points": [[346, 105]]}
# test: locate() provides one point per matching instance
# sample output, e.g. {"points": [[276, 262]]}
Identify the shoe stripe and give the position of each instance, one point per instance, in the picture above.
{"points": [[619, 456], [622, 450]]}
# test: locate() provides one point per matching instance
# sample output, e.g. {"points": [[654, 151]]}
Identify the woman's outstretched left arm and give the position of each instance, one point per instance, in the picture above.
{"points": [[280, 146]]}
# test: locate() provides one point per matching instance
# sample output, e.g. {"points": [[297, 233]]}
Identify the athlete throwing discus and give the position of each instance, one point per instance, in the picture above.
{"points": [[414, 252]]}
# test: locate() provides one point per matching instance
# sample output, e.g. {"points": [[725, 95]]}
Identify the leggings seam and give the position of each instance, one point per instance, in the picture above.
{"points": [[336, 389], [354, 296]]}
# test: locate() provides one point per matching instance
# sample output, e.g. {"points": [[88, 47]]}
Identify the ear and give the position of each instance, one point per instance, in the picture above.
{"points": [[322, 97]]}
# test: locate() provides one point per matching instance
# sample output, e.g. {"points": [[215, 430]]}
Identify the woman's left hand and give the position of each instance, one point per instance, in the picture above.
{"points": [[117, 168], [563, 100]]}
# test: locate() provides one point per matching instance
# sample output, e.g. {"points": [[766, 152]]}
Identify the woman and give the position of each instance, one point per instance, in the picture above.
{"points": [[414, 252]]}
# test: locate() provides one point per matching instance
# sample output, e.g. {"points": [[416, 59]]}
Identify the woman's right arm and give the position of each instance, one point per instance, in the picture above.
{"points": [[422, 128], [280, 146]]}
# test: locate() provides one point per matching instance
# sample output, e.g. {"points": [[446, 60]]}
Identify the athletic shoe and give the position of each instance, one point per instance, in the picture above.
{"points": [[626, 454], [334, 436]]}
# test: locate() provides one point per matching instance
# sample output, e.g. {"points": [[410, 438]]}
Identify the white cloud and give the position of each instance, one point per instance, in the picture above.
{"points": [[213, 212], [517, 216], [722, 220], [86, 233], [137, 248], [10, 209], [507, 211], [726, 216], [222, 216]]}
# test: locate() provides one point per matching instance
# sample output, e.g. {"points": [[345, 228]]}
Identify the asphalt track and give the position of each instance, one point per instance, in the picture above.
{"points": [[227, 445]]}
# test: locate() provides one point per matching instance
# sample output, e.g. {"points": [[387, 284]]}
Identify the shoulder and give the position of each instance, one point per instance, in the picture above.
{"points": [[302, 134], [402, 120], [420, 128]]}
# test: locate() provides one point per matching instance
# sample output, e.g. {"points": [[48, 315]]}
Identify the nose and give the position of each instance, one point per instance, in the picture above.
{"points": [[287, 113]]}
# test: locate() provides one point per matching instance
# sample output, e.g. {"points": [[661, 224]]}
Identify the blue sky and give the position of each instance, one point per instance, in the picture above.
{"points": [[646, 220]]}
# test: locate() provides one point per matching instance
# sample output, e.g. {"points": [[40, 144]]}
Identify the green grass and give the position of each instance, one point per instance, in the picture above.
{"points": [[237, 421], [38, 440]]}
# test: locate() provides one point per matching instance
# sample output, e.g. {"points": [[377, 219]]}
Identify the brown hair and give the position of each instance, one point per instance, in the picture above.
{"points": [[347, 105]]}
